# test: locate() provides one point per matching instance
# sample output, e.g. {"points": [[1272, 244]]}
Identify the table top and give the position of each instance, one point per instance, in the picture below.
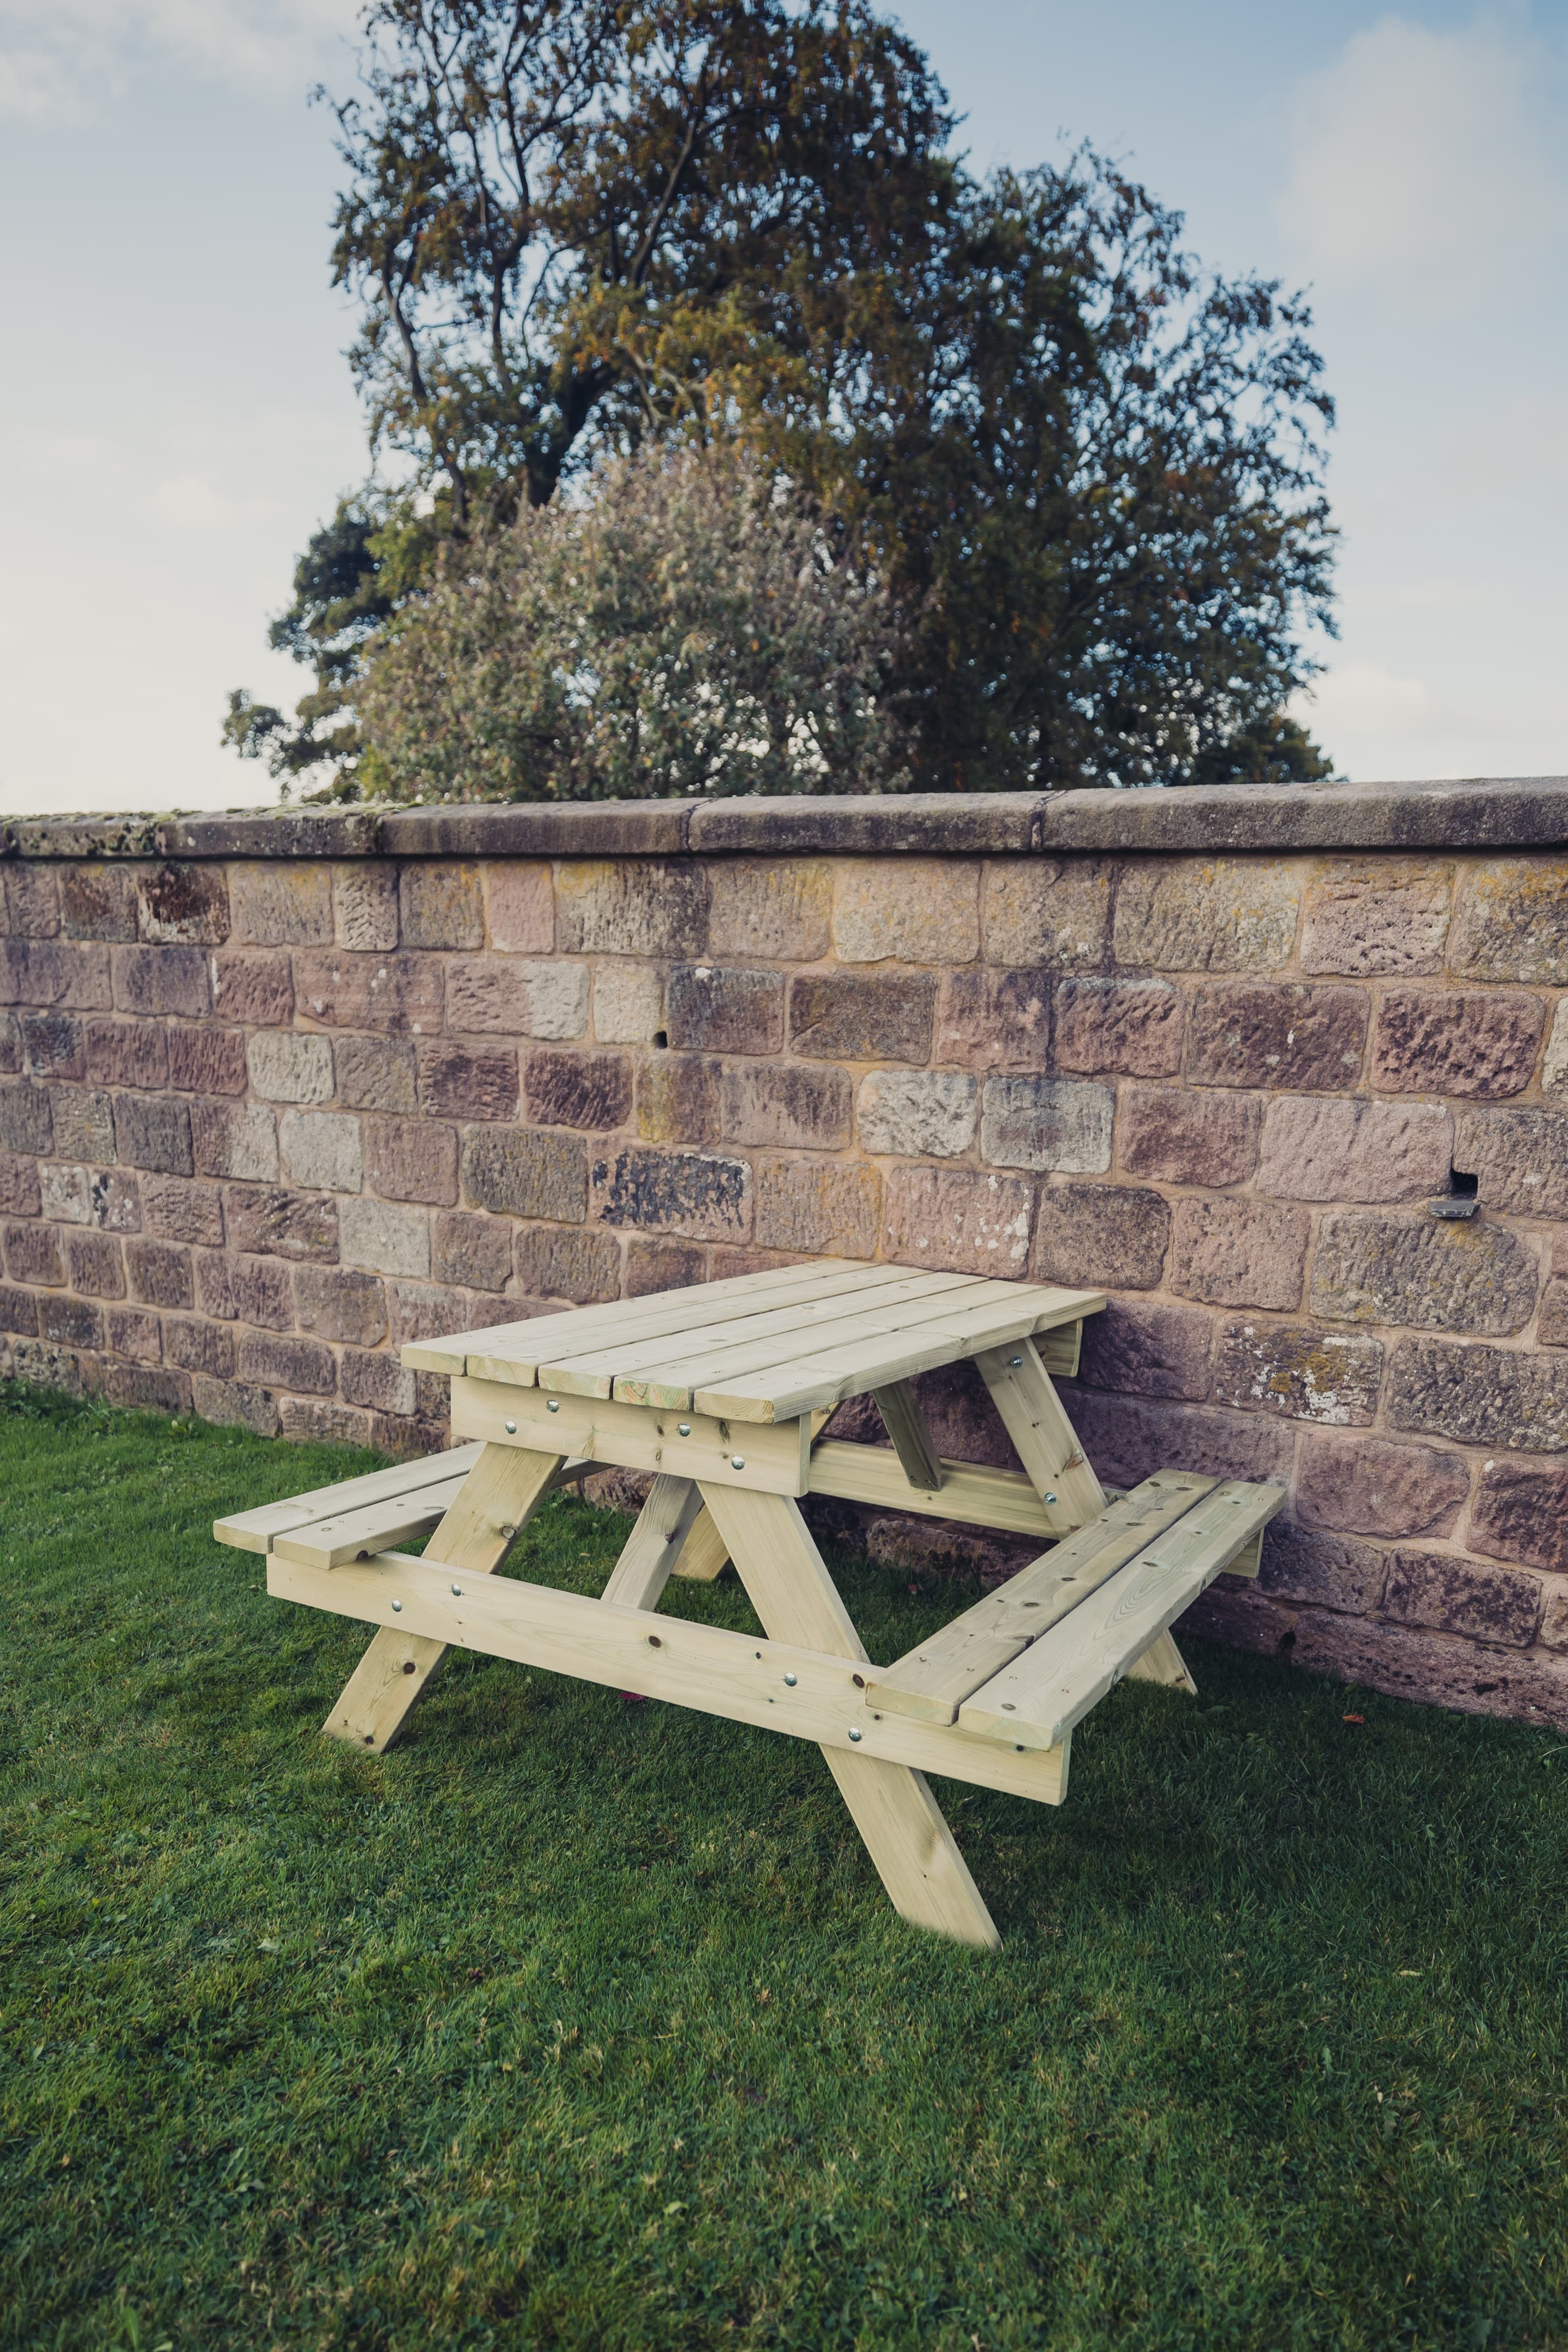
{"points": [[761, 1347]]}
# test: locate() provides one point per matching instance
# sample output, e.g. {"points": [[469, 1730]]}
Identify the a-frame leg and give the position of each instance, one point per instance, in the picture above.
{"points": [[654, 1545], [1162, 1662], [495, 1503], [915, 1856]]}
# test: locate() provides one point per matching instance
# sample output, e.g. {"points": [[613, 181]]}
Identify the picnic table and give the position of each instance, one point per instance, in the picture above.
{"points": [[722, 1392]]}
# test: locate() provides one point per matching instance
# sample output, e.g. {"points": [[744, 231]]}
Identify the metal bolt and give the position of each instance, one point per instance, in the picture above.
{"points": [[738, 1461], [682, 1429], [511, 1429], [1015, 1361], [791, 1679], [457, 1589], [554, 1406], [855, 1733], [508, 1533], [1050, 1499], [397, 1608]]}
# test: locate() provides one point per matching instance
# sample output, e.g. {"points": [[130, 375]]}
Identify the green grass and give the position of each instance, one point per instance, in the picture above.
{"points": [[580, 2023]]}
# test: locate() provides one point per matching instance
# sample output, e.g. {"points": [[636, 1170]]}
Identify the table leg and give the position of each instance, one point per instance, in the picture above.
{"points": [[495, 1503], [654, 1544], [703, 1555], [915, 1852], [1162, 1662]]}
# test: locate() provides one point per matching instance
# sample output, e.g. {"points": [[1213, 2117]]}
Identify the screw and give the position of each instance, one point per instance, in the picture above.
{"points": [[554, 1406], [790, 1680], [397, 1608], [682, 1429], [855, 1733], [511, 1429], [738, 1461], [457, 1589]]}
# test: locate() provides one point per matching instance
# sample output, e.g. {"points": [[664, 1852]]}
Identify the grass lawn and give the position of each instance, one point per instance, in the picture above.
{"points": [[576, 2022]]}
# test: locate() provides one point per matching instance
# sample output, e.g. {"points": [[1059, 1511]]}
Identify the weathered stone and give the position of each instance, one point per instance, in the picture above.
{"points": [[245, 1289], [159, 1273], [1195, 915], [1258, 1033], [1512, 922], [150, 1131], [419, 1310], [274, 1223], [1329, 1148], [1553, 1634], [564, 1262], [1128, 1027], [1235, 1253], [207, 1061], [290, 1065], [1181, 1137], [379, 1381], [1289, 1367], [183, 905], [472, 1249], [585, 1090], [1128, 1438], [441, 905], [10, 1044], [70, 1322], [237, 1139], [1046, 915], [132, 1331], [322, 1150], [19, 1190], [338, 1303], [1459, 1596], [1061, 1123], [713, 1010], [519, 905], [390, 1240], [52, 1045], [1109, 1235], [97, 902], [698, 1194], [96, 1265], [47, 1367], [25, 1120], [628, 1005], [1522, 1513], [277, 1359], [280, 903], [468, 1081], [652, 1266], [147, 1388], [1154, 1351], [777, 911], [992, 1020], [1461, 1277], [907, 909], [232, 1406], [197, 1347], [918, 1113], [1519, 1159], [90, 1196], [1325, 1571], [127, 1053], [161, 980], [18, 1311], [829, 1208], [1374, 1487], [52, 971], [396, 995], [315, 1420], [778, 1103], [1480, 1395], [639, 906], [32, 901], [958, 1220], [364, 909], [411, 1160], [376, 1074], [1388, 915], [256, 989], [494, 994], [1456, 1041], [83, 1123], [678, 1099], [862, 1016], [1554, 1061], [1552, 1325], [179, 1212], [526, 1175]]}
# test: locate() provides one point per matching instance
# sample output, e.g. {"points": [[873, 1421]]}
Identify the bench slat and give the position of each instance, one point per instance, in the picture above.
{"points": [[254, 1530]]}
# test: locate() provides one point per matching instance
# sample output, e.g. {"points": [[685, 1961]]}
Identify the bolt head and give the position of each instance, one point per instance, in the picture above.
{"points": [[791, 1679], [457, 1589], [682, 1429], [1049, 1498], [738, 1461], [511, 1429], [397, 1608], [855, 1733], [554, 1406], [1015, 1361]]}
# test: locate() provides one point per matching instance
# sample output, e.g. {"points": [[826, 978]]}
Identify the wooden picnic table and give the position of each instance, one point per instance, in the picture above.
{"points": [[722, 1392]]}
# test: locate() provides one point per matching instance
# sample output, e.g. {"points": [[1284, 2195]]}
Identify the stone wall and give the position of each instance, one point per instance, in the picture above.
{"points": [[279, 1094]]}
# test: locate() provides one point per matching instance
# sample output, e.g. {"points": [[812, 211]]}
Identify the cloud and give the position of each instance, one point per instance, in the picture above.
{"points": [[1428, 164], [59, 59]]}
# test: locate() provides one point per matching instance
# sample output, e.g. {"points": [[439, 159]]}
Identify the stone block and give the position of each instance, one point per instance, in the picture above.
{"points": [[52, 1045], [1130, 1028], [713, 1010], [1110, 1236], [10, 1046], [95, 1264], [256, 989], [1387, 916], [459, 1081], [161, 980], [1554, 1061], [151, 1131], [288, 1066], [1040, 1123], [628, 1004], [907, 910], [131, 1331], [1324, 1571], [585, 1090], [1552, 1327], [1441, 1276], [232, 1406], [271, 1222], [183, 905], [365, 907], [1292, 1369], [176, 1211], [566, 1262], [1520, 1513], [18, 1311], [26, 1123], [959, 1220], [519, 905], [1256, 1033], [1480, 1395], [440, 904], [411, 1160], [1235, 1253], [207, 1061], [70, 1322], [54, 972], [71, 1195], [245, 1289], [377, 1381], [526, 1175], [772, 911], [338, 1303], [920, 1114], [1189, 914], [147, 1388], [632, 905], [159, 1273], [489, 995], [1376, 1486], [420, 1311], [281, 1360], [32, 902], [376, 1074], [1519, 1159], [654, 1266], [989, 1020], [394, 995], [1329, 1148], [844, 1016], [20, 1193], [1431, 1041], [1128, 1438], [197, 1347], [778, 1103], [390, 1240], [1460, 1596], [83, 1123], [1148, 1350], [1181, 1137], [1049, 916], [1511, 921], [97, 902], [698, 1194], [280, 903], [127, 1053], [824, 1208], [678, 1099], [473, 1250], [235, 1140]]}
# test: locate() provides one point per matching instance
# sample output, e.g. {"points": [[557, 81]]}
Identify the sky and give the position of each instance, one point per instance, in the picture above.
{"points": [[180, 415]]}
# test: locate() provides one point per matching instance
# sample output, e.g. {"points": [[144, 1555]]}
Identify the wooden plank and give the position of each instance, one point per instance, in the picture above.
{"points": [[254, 1530], [705, 1553], [1162, 1663], [374, 1526], [1040, 1695], [933, 1680], [1058, 1350], [906, 1424], [771, 1460], [971, 1491], [1042, 1433], [654, 1544], [900, 1821], [498, 1497]]}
